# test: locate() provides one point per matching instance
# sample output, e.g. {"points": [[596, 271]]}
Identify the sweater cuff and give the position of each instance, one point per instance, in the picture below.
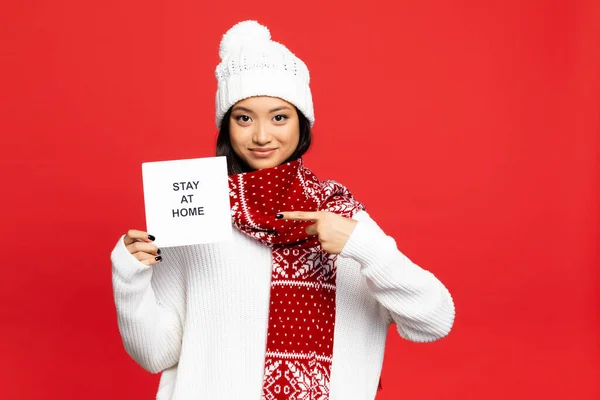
{"points": [[365, 245], [125, 264]]}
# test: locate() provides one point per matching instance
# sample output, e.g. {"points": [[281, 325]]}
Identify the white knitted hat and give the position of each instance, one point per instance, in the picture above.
{"points": [[254, 65]]}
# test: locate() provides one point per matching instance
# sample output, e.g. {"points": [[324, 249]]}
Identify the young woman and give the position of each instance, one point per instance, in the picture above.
{"points": [[298, 305]]}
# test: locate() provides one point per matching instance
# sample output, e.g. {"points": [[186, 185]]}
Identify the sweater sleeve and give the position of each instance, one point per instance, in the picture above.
{"points": [[419, 304], [150, 304]]}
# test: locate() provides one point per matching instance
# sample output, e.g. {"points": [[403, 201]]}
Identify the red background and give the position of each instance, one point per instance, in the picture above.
{"points": [[469, 128]]}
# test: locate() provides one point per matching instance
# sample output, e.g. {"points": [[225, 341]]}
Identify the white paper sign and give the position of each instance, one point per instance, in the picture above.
{"points": [[187, 201]]}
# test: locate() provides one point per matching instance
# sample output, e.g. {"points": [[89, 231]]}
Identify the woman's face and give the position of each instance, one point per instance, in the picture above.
{"points": [[264, 131]]}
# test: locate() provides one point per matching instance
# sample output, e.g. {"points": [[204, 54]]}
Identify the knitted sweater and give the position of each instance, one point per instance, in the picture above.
{"points": [[200, 316]]}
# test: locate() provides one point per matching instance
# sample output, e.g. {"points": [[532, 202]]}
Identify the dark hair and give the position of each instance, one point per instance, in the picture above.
{"points": [[235, 165]]}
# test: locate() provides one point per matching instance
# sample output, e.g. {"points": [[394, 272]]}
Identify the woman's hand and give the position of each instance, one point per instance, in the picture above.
{"points": [[332, 229], [139, 244]]}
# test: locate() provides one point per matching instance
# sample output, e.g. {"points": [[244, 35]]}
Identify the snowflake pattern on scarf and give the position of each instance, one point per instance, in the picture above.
{"points": [[302, 298]]}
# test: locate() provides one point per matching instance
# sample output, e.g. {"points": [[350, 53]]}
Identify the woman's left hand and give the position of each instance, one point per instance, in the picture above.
{"points": [[333, 230]]}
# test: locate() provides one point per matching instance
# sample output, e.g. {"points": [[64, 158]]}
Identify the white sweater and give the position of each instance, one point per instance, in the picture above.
{"points": [[201, 314]]}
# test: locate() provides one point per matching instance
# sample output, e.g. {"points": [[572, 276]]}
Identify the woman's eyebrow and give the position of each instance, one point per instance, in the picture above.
{"points": [[279, 109], [240, 108]]}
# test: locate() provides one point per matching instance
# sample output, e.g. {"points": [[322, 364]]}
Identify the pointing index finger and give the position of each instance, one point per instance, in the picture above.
{"points": [[299, 215]]}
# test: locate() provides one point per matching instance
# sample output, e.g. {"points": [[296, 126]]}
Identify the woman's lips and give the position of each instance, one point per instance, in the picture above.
{"points": [[262, 153]]}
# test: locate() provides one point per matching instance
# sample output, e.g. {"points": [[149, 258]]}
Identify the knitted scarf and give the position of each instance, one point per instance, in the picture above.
{"points": [[302, 309]]}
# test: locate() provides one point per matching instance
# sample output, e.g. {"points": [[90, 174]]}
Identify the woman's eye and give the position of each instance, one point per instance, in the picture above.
{"points": [[243, 118], [280, 118]]}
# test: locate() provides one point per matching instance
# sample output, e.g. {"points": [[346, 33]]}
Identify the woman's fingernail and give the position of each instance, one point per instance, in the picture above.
{"points": [[158, 252], [150, 237], [158, 258], [279, 216]]}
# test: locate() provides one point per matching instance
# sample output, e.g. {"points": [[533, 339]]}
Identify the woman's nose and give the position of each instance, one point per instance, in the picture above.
{"points": [[261, 136]]}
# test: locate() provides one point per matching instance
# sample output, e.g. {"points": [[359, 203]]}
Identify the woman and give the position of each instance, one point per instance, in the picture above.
{"points": [[298, 305]]}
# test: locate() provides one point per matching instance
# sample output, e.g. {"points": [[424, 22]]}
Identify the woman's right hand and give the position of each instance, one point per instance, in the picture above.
{"points": [[139, 243]]}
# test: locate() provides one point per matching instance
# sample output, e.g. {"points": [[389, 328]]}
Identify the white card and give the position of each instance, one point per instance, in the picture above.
{"points": [[187, 201]]}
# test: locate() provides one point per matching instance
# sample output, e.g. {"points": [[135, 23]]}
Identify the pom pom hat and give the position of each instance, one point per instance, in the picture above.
{"points": [[254, 65]]}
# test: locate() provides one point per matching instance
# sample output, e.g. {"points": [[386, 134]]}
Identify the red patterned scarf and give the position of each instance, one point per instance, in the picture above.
{"points": [[302, 310]]}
